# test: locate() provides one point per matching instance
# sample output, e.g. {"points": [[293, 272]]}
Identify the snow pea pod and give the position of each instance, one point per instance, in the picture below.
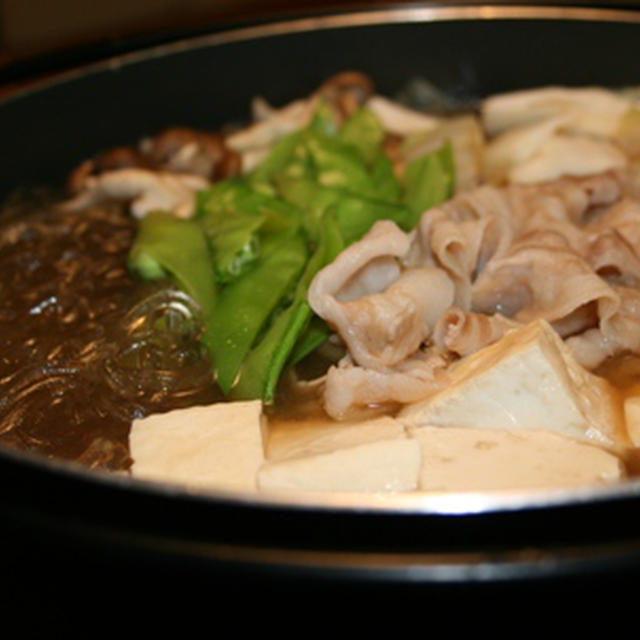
{"points": [[355, 215], [260, 179], [258, 377], [364, 132], [428, 181], [315, 335], [233, 217], [245, 305], [166, 245]]}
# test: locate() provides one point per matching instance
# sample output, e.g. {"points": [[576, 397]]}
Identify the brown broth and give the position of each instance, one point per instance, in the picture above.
{"points": [[78, 358]]}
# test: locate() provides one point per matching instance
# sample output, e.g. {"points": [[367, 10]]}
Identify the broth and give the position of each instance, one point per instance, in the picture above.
{"points": [[87, 347], [79, 359]]}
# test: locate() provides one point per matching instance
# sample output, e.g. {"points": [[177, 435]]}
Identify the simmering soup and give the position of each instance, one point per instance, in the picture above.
{"points": [[393, 300]]}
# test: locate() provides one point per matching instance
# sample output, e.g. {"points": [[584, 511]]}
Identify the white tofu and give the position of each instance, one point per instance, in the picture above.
{"points": [[526, 380], [486, 459], [300, 438], [219, 446], [370, 456], [632, 418]]}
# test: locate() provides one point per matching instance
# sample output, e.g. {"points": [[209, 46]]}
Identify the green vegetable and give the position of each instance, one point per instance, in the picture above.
{"points": [[355, 215], [428, 181], [365, 133], [387, 187], [245, 305], [166, 245], [232, 216], [261, 370], [324, 119], [314, 336], [339, 165], [260, 180]]}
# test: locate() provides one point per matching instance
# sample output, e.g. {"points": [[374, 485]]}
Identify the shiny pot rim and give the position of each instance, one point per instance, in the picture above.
{"points": [[412, 14]]}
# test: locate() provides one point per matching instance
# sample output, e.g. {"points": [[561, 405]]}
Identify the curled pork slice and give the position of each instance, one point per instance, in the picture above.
{"points": [[477, 266], [542, 278], [146, 191], [389, 321], [620, 335], [387, 327], [461, 235], [465, 332], [614, 259], [350, 388], [567, 200], [623, 217]]}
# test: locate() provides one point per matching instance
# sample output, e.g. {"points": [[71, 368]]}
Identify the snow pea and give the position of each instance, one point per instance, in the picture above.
{"points": [[245, 305], [316, 334], [166, 245], [260, 179], [365, 133], [384, 178], [260, 372], [428, 181], [339, 165], [233, 218], [355, 215]]}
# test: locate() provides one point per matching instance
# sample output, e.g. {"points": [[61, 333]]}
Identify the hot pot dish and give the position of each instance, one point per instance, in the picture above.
{"points": [[352, 293]]}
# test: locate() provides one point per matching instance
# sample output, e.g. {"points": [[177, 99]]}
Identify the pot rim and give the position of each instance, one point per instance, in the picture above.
{"points": [[420, 13]]}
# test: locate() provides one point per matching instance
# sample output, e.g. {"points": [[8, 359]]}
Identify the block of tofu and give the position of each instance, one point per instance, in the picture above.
{"points": [[632, 418], [527, 380], [219, 446], [369, 456], [459, 459], [297, 438]]}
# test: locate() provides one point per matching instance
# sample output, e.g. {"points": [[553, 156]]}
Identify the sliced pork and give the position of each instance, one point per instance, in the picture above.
{"points": [[476, 267]]}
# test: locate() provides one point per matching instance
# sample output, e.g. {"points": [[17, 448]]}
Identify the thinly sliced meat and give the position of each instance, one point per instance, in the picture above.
{"points": [[619, 335], [384, 324], [624, 217], [350, 388], [463, 234], [382, 329], [567, 200], [510, 255], [464, 332], [542, 281], [614, 259]]}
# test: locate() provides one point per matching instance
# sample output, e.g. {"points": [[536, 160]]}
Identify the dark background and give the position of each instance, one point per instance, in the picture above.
{"points": [[31, 28]]}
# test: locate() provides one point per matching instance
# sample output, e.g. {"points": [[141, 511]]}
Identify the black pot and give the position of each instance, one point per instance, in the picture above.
{"points": [[61, 520]]}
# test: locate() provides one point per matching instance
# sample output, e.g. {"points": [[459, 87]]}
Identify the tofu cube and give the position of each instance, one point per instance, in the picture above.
{"points": [[371, 456], [456, 459], [219, 446], [527, 380]]}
